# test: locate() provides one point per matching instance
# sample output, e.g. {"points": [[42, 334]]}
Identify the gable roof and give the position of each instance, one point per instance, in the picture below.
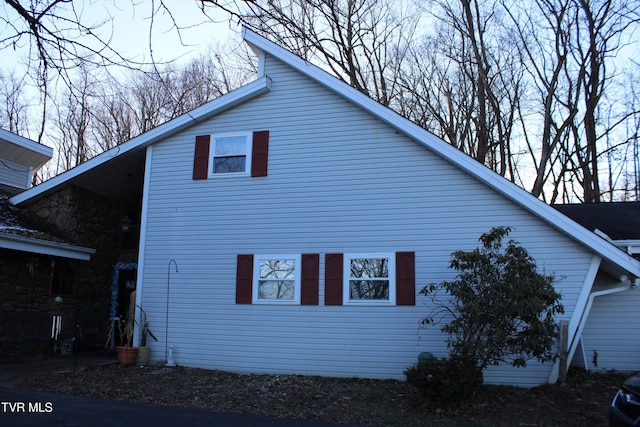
{"points": [[616, 261]]}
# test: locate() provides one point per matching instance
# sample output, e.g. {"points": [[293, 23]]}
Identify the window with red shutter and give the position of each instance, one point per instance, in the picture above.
{"points": [[244, 279], [405, 278], [201, 157], [277, 279], [231, 155], [260, 153], [333, 282], [310, 279], [370, 279]]}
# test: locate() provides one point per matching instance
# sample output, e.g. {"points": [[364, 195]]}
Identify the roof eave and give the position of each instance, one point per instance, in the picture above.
{"points": [[30, 152], [44, 247], [218, 105]]}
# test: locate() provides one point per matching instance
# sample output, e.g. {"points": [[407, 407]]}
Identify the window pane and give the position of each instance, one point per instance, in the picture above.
{"points": [[276, 289], [277, 269], [277, 279], [229, 164], [369, 289], [370, 268], [231, 146]]}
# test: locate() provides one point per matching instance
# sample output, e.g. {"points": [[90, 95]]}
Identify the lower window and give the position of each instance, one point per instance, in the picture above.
{"points": [[369, 279], [276, 279]]}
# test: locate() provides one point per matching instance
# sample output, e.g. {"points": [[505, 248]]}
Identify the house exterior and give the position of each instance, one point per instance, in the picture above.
{"points": [[287, 227], [36, 260], [20, 158], [608, 340]]}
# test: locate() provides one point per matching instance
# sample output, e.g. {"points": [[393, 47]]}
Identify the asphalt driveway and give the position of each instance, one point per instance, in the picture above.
{"points": [[20, 407]]}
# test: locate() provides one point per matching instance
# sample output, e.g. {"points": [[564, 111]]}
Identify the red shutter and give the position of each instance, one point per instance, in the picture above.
{"points": [[201, 157], [310, 279], [260, 153], [333, 271], [244, 279], [405, 278]]}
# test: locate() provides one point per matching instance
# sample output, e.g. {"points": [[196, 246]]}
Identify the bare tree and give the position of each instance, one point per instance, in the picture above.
{"points": [[13, 106], [601, 26], [58, 36], [543, 32], [362, 42], [100, 111], [73, 121], [464, 82], [540, 88]]}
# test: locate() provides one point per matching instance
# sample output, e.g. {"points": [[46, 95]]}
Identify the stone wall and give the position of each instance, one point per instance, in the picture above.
{"points": [[26, 310], [28, 302]]}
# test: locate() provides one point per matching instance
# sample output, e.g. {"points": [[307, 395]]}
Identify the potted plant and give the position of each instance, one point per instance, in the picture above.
{"points": [[126, 353], [145, 332]]}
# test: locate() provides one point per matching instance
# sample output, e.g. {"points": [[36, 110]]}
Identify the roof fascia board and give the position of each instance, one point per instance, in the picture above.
{"points": [[40, 154], [26, 143], [44, 247], [218, 105], [448, 152]]}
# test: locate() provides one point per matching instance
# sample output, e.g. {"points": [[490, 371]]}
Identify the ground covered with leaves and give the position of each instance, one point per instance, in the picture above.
{"points": [[583, 400]]}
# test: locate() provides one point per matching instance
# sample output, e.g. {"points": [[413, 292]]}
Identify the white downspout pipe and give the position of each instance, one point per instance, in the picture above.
{"points": [[583, 320]]}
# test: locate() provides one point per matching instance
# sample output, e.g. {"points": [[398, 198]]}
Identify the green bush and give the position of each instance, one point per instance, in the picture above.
{"points": [[446, 381], [499, 309]]}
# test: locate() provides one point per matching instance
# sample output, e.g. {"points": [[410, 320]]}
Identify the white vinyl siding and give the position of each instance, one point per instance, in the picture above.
{"points": [[340, 181], [15, 174], [611, 336]]}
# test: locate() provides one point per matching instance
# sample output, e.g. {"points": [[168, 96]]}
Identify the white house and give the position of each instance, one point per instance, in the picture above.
{"points": [[257, 207]]}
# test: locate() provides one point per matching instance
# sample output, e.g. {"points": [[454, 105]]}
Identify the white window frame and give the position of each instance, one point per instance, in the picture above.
{"points": [[347, 278], [297, 279], [248, 136]]}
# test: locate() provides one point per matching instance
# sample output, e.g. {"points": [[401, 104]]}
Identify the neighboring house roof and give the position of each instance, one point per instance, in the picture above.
{"points": [[92, 172], [21, 230], [19, 159], [23, 150], [618, 221]]}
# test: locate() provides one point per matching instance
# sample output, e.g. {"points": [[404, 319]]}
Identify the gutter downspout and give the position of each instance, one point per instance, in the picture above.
{"points": [[583, 320]]}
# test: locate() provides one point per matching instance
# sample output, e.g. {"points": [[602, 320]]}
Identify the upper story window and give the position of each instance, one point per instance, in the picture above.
{"points": [[230, 155], [369, 279], [277, 279], [244, 154]]}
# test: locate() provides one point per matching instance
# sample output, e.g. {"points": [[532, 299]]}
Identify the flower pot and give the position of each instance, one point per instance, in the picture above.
{"points": [[127, 355], [143, 355]]}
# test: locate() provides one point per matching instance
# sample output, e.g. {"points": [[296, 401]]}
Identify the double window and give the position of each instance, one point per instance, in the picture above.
{"points": [[351, 279]]}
